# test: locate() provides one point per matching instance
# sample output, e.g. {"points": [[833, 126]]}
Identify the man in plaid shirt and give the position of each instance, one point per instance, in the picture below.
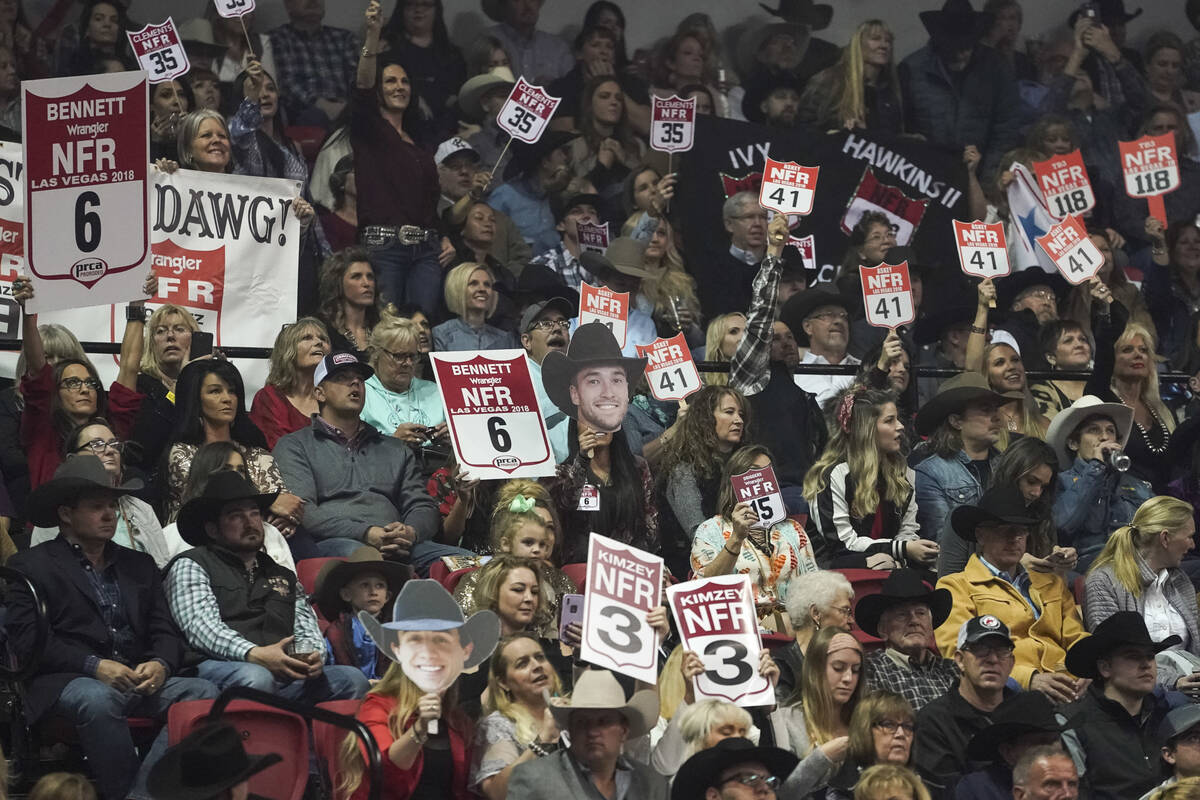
{"points": [[246, 614], [904, 614], [316, 64]]}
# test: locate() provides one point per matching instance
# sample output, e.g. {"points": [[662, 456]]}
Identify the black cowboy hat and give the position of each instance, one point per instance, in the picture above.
{"points": [[76, 475], [760, 88], [524, 158], [539, 282], [1107, 11], [800, 306], [223, 487], [206, 763], [956, 20], [793, 266], [901, 586], [425, 605], [952, 397], [1122, 628], [816, 16], [334, 575], [1022, 713], [1008, 287], [592, 344], [917, 267], [699, 773], [1000, 505], [929, 328]]}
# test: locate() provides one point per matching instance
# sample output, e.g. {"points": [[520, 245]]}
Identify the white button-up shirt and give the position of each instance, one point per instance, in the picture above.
{"points": [[824, 386]]}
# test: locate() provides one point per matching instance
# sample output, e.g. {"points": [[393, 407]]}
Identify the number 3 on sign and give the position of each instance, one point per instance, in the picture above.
{"points": [[622, 631]]}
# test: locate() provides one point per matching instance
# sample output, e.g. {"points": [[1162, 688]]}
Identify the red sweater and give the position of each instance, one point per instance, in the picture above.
{"points": [[38, 435], [275, 416], [398, 784]]}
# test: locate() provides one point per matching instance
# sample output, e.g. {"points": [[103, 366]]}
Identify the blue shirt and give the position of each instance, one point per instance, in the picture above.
{"points": [[456, 334], [1020, 582], [386, 410], [529, 209], [364, 649]]}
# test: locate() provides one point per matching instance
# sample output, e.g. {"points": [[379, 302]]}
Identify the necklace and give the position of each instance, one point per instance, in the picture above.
{"points": [[1155, 449]]}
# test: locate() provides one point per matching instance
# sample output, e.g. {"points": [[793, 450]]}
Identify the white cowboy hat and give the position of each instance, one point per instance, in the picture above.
{"points": [[1071, 417], [598, 689]]}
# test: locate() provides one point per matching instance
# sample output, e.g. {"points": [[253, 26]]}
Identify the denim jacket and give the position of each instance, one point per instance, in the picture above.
{"points": [[944, 484], [1092, 502]]}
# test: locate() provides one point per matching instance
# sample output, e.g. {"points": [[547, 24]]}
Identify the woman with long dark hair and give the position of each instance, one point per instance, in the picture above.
{"points": [[416, 34], [608, 148], [349, 300], [102, 27], [288, 400]]}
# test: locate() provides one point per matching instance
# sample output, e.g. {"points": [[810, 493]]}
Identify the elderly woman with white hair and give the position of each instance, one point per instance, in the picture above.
{"points": [[697, 727], [822, 599]]}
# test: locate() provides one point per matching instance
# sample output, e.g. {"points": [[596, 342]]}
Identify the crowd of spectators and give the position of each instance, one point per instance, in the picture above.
{"points": [[985, 585]]}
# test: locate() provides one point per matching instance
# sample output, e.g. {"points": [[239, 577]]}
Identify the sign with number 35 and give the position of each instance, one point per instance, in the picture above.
{"points": [[527, 112]]}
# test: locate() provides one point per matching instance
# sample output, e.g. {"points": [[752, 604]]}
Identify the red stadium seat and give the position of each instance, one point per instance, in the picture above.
{"points": [[1080, 590], [308, 138], [577, 573], [438, 571], [865, 582], [327, 739], [307, 569], [451, 580], [264, 730]]}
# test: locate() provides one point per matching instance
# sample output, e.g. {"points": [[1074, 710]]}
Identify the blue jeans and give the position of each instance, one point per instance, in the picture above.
{"points": [[409, 273], [423, 553], [793, 498], [334, 682], [98, 713]]}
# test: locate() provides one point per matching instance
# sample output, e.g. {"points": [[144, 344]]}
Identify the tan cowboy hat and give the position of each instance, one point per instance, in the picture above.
{"points": [[472, 92], [1066, 421], [624, 255], [598, 690], [952, 397], [334, 575]]}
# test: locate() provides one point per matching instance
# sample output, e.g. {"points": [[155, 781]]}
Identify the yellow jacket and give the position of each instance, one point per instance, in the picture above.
{"points": [[1042, 644]]}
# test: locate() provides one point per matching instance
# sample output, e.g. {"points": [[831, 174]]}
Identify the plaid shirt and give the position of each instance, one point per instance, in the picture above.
{"points": [[314, 65], [194, 607], [919, 683], [107, 590], [749, 370], [567, 266]]}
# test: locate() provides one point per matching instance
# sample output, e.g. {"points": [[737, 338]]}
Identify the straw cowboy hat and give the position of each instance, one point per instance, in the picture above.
{"points": [[76, 475], [223, 487], [334, 575], [470, 94], [623, 255], [593, 344], [1066, 421], [425, 605], [598, 690]]}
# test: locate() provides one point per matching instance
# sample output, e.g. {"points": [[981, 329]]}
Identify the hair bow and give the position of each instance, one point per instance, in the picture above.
{"points": [[843, 412], [521, 504]]}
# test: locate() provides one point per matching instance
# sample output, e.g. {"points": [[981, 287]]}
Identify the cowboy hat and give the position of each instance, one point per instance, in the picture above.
{"points": [[425, 605], [1122, 628], [1009, 286], [470, 95], [952, 397], [935, 321], [956, 20], [334, 575], [1020, 714], [198, 33], [1001, 505], [763, 86], [208, 761], [900, 587], [1108, 12], [800, 307], [598, 690], [76, 475], [624, 255], [1070, 418], [538, 282], [816, 16], [699, 773], [592, 344], [524, 158], [493, 9], [222, 488]]}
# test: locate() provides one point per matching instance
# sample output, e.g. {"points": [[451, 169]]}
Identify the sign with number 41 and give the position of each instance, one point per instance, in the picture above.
{"points": [[1070, 248], [670, 370], [887, 295], [788, 187], [527, 112]]}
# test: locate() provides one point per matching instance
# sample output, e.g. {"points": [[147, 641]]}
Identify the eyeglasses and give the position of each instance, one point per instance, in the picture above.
{"points": [[891, 726], [178, 330], [77, 384], [845, 611], [401, 358], [744, 217], [753, 780], [98, 446], [831, 316], [550, 324], [987, 650]]}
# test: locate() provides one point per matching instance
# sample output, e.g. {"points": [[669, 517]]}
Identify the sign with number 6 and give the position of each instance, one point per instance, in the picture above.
{"points": [[715, 619], [159, 51], [527, 111], [496, 426], [623, 585]]}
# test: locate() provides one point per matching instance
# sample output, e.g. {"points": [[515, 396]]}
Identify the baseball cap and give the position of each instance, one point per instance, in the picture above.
{"points": [[533, 311], [979, 628], [453, 146], [340, 360]]}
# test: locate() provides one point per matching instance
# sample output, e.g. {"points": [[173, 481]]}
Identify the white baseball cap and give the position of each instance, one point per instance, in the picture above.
{"points": [[453, 146]]}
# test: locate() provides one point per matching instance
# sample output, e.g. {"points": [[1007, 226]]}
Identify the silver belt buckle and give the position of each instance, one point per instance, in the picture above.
{"points": [[411, 234]]}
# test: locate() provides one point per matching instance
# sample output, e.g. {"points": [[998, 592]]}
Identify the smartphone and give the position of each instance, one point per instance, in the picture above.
{"points": [[202, 345], [572, 611]]}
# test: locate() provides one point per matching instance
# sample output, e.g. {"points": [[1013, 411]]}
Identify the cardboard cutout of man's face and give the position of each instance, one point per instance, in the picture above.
{"points": [[601, 396], [432, 660]]}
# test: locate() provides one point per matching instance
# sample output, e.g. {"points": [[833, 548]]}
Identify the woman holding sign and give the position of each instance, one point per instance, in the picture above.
{"points": [[864, 510], [730, 543]]}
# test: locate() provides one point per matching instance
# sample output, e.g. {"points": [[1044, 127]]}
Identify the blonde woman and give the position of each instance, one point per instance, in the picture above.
{"points": [[168, 345], [670, 291], [471, 296], [397, 402], [518, 726], [1138, 570], [863, 511], [721, 342], [861, 90], [1135, 383], [890, 782], [288, 400]]}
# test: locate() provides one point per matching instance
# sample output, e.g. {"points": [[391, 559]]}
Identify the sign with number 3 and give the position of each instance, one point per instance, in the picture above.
{"points": [[527, 112], [623, 585]]}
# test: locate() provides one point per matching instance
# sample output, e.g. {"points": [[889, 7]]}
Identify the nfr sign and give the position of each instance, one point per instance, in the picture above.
{"points": [[670, 370], [788, 187], [603, 305], [982, 250], [887, 295]]}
